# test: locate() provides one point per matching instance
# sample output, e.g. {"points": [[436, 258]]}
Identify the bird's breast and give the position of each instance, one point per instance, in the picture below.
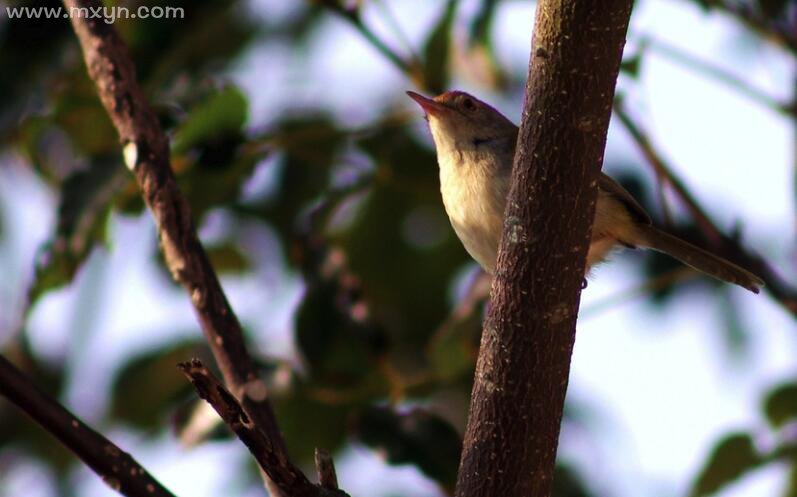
{"points": [[474, 200]]}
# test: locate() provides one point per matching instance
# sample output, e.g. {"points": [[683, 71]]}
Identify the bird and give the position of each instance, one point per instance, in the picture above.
{"points": [[475, 147]]}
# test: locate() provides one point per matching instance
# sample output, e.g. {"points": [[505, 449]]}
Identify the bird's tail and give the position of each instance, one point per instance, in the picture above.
{"points": [[697, 258]]}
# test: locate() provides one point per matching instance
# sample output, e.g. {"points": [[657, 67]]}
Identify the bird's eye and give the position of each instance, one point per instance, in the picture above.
{"points": [[468, 104]]}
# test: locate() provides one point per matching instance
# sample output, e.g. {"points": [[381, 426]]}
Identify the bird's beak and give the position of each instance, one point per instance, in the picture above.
{"points": [[430, 106]]}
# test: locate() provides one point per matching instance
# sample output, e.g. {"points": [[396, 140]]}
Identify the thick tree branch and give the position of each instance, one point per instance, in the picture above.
{"points": [[724, 245], [116, 467], [288, 478], [146, 153], [524, 361]]}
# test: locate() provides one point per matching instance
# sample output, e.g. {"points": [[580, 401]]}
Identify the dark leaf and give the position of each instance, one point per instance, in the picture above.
{"points": [[417, 437], [773, 9], [731, 458], [453, 349], [86, 198], [228, 258], [568, 483], [339, 350], [149, 385], [310, 418], [437, 49], [630, 65], [405, 286], [482, 22], [780, 405], [220, 114]]}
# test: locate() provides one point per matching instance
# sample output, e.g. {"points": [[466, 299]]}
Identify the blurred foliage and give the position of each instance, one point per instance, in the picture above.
{"points": [[738, 454], [417, 436], [733, 456], [357, 214], [133, 400]]}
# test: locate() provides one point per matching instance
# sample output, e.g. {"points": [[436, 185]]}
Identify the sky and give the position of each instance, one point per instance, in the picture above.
{"points": [[660, 392]]}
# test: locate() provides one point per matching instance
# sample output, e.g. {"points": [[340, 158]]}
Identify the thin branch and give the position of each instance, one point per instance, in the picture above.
{"points": [[399, 32], [527, 341], [288, 478], [717, 73], [116, 467], [665, 280], [352, 15], [325, 469], [749, 18], [726, 246], [664, 172], [146, 153]]}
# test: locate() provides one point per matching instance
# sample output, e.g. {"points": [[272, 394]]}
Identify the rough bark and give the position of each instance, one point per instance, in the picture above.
{"points": [[116, 467], [288, 479], [147, 155], [524, 361]]}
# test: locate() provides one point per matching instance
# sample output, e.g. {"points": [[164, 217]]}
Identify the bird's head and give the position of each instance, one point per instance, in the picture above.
{"points": [[461, 123]]}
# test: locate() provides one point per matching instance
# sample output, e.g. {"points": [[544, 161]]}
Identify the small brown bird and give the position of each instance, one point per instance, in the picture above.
{"points": [[475, 149]]}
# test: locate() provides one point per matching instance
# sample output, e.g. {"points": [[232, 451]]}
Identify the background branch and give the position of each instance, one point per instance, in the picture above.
{"points": [[524, 359], [717, 73], [752, 20], [287, 477], [724, 245], [352, 15], [116, 467], [146, 152]]}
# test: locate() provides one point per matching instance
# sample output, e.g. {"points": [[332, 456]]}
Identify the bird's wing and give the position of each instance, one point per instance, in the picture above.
{"points": [[608, 185]]}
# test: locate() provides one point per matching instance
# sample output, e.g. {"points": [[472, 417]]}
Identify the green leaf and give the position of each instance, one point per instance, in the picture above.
{"points": [[731, 458], [780, 405], [339, 350], [220, 114], [149, 385], [86, 198], [228, 258], [630, 65], [437, 50], [409, 304], [307, 421], [452, 351], [567, 482], [791, 484], [78, 112], [417, 437], [307, 148], [482, 22]]}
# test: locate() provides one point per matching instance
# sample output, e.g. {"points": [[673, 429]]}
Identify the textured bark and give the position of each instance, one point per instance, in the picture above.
{"points": [[116, 467], [147, 155], [287, 478], [524, 361]]}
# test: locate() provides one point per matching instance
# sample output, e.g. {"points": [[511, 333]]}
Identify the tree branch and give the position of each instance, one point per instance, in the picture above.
{"points": [[719, 74], [352, 15], [146, 153], [665, 173], [752, 20], [288, 478], [724, 245], [116, 467], [524, 361], [325, 470]]}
